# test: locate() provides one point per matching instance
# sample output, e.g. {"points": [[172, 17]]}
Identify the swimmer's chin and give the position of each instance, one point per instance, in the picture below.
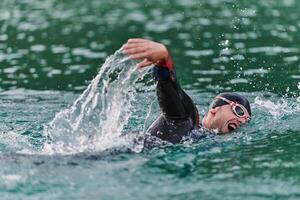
{"points": [[219, 132], [213, 130], [216, 131]]}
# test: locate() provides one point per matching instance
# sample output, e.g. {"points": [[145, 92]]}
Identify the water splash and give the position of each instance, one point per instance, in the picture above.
{"points": [[96, 120], [277, 109], [13, 142], [281, 115]]}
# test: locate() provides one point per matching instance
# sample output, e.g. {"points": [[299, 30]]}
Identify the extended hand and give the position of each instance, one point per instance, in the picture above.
{"points": [[148, 51]]}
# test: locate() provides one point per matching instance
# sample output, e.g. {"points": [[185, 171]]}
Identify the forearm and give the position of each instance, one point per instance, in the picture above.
{"points": [[169, 93], [174, 102]]}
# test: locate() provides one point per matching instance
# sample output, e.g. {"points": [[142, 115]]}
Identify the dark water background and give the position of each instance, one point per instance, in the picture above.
{"points": [[50, 51]]}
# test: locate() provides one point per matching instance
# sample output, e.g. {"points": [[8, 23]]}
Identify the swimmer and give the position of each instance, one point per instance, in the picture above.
{"points": [[227, 112]]}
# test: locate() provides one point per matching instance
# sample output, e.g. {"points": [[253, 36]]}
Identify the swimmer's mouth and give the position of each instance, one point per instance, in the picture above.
{"points": [[232, 127]]}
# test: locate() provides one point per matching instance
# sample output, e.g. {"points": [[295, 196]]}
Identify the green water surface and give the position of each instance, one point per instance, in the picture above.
{"points": [[50, 50]]}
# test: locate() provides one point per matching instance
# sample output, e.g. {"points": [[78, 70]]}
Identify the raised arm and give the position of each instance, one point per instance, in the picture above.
{"points": [[174, 102]]}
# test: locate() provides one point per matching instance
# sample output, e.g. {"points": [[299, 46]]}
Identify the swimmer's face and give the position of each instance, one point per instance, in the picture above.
{"points": [[223, 119]]}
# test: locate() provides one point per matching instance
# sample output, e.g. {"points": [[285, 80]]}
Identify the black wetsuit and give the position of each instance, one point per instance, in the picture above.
{"points": [[179, 114]]}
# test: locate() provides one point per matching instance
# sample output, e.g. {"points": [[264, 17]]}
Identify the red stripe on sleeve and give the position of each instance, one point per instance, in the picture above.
{"points": [[168, 63]]}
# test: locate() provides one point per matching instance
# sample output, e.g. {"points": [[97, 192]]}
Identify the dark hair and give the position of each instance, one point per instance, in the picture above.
{"points": [[237, 98]]}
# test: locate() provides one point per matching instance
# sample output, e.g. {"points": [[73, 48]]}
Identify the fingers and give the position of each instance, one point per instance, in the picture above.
{"points": [[134, 48], [133, 45], [130, 45], [137, 52], [142, 55], [136, 40], [127, 49], [144, 63], [138, 48]]}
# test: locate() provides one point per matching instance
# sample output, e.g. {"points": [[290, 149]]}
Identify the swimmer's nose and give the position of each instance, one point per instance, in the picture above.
{"points": [[242, 121]]}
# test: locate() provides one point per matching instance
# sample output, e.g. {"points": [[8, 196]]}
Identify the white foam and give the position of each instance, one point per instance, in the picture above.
{"points": [[279, 108], [96, 120]]}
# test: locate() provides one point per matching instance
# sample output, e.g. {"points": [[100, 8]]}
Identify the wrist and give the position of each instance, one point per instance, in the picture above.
{"points": [[165, 53], [166, 62]]}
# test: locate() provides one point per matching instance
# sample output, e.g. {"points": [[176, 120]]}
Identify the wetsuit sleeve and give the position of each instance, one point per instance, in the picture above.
{"points": [[174, 103]]}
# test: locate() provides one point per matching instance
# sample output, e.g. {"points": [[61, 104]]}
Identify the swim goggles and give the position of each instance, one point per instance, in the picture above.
{"points": [[238, 109]]}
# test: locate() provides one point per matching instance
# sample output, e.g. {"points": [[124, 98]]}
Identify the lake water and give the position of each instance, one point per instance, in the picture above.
{"points": [[72, 117]]}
